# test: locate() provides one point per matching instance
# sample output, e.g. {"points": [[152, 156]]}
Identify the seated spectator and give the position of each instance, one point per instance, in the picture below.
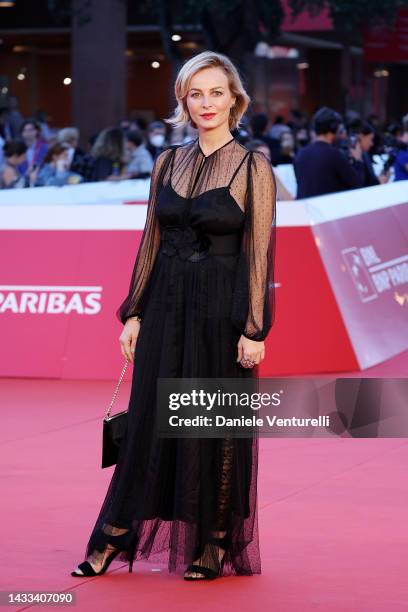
{"points": [[258, 145], [140, 160], [401, 159], [36, 147], [10, 175], [47, 132], [79, 161], [55, 171], [70, 137], [156, 138], [320, 167], [108, 152]]}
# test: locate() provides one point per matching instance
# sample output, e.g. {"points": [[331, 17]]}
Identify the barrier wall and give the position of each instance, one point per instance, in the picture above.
{"points": [[67, 255]]}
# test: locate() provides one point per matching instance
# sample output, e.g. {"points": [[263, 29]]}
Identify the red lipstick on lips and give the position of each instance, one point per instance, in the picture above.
{"points": [[208, 115]]}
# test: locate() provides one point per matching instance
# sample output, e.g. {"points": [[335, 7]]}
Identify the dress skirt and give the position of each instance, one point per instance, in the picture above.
{"points": [[172, 493]]}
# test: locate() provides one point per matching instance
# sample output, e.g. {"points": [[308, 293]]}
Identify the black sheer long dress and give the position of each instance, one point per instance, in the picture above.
{"points": [[202, 277]]}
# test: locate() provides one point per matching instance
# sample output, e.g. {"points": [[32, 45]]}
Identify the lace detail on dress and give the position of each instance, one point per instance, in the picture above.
{"points": [[224, 489]]}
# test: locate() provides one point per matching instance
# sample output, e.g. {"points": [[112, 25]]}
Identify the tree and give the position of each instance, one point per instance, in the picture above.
{"points": [[97, 61]]}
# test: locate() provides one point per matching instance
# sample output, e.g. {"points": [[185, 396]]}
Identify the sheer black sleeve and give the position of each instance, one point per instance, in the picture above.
{"points": [[254, 293], [149, 245]]}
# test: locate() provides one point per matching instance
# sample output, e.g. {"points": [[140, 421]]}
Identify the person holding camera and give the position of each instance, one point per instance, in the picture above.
{"points": [[320, 167]]}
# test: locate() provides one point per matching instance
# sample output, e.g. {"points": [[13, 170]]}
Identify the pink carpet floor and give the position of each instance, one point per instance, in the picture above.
{"points": [[332, 514]]}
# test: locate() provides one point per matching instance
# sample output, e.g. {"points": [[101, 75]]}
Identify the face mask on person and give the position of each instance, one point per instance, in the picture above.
{"points": [[61, 165], [157, 140]]}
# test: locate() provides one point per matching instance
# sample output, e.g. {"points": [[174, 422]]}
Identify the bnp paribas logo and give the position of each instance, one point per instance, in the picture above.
{"points": [[50, 299], [373, 276]]}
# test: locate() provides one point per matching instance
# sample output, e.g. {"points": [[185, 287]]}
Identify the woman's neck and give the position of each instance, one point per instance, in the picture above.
{"points": [[210, 140]]}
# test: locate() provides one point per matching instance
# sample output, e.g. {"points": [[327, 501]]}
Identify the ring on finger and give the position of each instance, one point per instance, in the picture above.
{"points": [[247, 363]]}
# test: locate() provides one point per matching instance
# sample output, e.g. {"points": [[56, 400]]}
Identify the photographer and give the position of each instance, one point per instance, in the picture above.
{"points": [[320, 167]]}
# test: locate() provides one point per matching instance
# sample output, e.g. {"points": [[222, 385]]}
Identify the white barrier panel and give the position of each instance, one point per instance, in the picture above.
{"points": [[286, 173], [102, 193]]}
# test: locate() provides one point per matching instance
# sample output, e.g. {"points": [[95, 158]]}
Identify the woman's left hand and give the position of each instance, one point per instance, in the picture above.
{"points": [[250, 350]]}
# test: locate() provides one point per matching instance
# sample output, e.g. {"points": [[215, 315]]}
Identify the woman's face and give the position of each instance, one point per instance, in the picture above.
{"points": [[209, 98], [61, 158], [29, 133], [366, 141]]}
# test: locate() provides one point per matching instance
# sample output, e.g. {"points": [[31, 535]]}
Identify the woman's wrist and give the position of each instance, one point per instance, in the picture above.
{"points": [[252, 339], [135, 318]]}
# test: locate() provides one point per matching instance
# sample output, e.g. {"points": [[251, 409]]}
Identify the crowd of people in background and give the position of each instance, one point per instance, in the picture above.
{"points": [[328, 152]]}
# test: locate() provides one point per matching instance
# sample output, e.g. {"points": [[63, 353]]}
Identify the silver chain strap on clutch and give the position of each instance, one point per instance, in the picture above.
{"points": [[109, 409]]}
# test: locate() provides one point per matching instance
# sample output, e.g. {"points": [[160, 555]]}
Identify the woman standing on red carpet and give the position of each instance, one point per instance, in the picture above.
{"points": [[199, 305]]}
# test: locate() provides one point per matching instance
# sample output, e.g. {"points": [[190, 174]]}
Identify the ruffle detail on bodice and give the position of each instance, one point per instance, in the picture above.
{"points": [[185, 242]]}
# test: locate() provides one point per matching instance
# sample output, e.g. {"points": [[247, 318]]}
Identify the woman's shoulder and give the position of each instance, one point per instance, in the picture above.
{"points": [[257, 158], [255, 155], [261, 169], [260, 160]]}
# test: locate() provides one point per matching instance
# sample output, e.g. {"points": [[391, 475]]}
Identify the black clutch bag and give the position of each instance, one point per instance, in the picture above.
{"points": [[114, 428]]}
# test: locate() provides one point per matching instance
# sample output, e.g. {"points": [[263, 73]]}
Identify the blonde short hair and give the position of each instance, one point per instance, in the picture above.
{"points": [[68, 134], [208, 59]]}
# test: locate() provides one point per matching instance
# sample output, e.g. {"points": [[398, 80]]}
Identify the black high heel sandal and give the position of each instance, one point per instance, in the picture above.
{"points": [[209, 573], [120, 542]]}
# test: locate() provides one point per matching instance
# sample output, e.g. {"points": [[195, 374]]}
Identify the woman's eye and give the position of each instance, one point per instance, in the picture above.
{"points": [[196, 93]]}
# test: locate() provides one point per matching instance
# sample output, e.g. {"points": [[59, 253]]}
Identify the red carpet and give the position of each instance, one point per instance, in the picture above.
{"points": [[332, 514]]}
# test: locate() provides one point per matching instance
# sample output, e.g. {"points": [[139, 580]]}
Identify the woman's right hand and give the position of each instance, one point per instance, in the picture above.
{"points": [[128, 339]]}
